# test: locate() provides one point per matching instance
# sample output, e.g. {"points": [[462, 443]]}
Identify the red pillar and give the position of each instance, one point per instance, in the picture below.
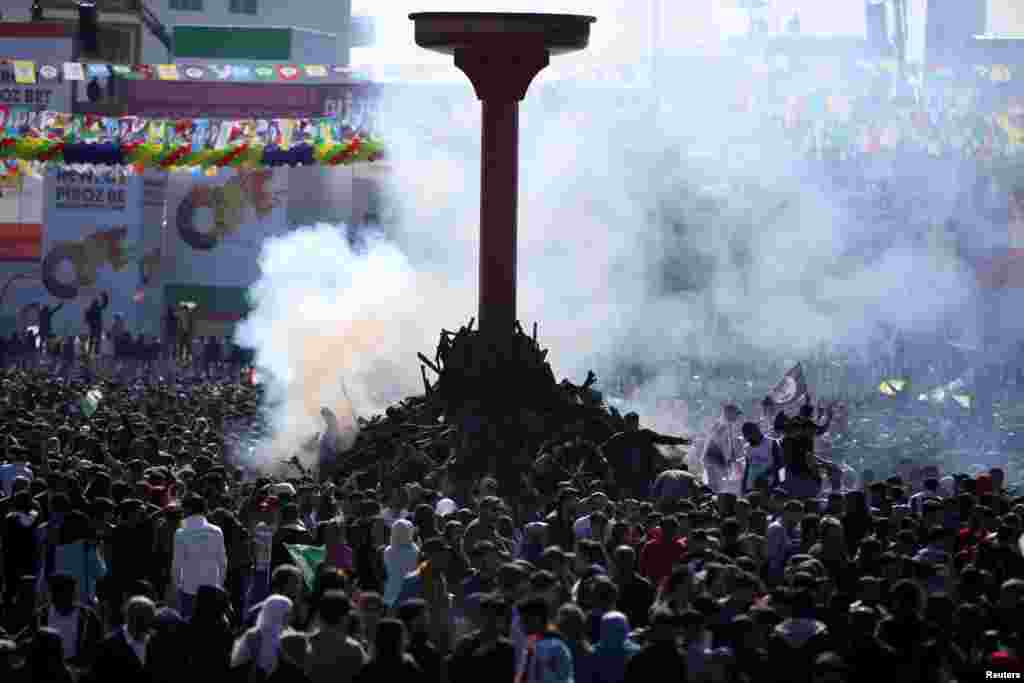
{"points": [[500, 74], [499, 171]]}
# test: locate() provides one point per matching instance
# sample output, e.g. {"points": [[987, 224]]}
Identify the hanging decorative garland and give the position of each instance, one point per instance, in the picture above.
{"points": [[184, 157]]}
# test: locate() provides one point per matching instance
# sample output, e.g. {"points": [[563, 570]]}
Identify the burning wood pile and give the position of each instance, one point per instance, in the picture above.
{"points": [[486, 410]]}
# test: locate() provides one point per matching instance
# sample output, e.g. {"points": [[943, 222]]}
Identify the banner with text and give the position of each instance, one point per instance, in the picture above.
{"points": [[33, 77], [92, 236]]}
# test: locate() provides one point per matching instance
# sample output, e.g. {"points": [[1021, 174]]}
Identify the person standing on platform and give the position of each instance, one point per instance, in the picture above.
{"points": [[94, 321]]}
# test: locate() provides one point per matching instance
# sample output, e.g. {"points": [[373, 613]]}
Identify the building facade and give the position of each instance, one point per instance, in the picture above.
{"points": [[127, 32]]}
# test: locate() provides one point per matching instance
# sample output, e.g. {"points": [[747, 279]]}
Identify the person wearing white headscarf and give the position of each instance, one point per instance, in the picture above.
{"points": [[445, 507], [400, 559], [260, 646]]}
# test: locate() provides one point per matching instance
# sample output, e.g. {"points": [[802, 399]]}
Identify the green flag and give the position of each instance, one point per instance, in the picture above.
{"points": [[91, 401], [308, 558]]}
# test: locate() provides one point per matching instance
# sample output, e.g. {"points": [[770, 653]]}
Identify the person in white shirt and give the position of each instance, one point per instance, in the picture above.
{"points": [[200, 558]]}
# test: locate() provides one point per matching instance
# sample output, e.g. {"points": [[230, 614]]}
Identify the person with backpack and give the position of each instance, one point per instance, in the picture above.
{"points": [[763, 460]]}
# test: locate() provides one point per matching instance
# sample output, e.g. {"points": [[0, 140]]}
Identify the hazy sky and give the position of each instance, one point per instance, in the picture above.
{"points": [[622, 32]]}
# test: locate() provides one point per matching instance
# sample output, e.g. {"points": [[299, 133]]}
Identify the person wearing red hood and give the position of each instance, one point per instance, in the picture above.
{"points": [[662, 552]]}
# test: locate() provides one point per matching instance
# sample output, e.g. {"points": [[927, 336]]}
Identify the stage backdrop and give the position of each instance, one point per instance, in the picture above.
{"points": [[215, 227], [92, 240]]}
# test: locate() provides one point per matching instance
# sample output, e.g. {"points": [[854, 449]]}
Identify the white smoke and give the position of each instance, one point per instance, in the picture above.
{"points": [[613, 202], [333, 326]]}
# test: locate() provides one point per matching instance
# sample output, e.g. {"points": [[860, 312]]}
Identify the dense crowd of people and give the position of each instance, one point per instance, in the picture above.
{"points": [[138, 542], [116, 350]]}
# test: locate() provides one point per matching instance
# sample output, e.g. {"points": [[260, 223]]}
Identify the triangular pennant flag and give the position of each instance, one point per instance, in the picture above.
{"points": [[308, 559], [791, 388], [48, 72], [167, 72], [24, 72]]}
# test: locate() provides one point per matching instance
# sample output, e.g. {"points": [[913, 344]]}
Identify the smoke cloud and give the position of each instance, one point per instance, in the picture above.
{"points": [[644, 238], [333, 326]]}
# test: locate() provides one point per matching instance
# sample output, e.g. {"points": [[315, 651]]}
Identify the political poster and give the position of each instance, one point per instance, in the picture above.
{"points": [[92, 236]]}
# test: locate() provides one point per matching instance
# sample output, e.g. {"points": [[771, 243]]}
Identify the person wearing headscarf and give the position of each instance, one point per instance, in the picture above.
{"points": [[399, 559], [260, 646], [611, 653], [46, 658]]}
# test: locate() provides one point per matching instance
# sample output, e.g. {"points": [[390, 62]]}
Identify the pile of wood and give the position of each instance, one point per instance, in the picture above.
{"points": [[486, 410]]}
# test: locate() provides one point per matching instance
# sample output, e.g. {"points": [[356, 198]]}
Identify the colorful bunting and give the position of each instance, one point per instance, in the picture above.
{"points": [[48, 137]]}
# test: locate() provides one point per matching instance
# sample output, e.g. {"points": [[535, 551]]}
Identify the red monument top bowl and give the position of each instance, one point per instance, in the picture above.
{"points": [[451, 31]]}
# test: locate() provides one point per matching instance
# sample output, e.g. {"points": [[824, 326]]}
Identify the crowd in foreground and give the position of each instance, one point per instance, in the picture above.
{"points": [[137, 546]]}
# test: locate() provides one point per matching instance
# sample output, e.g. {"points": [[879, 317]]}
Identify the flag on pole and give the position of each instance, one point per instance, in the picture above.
{"points": [[790, 389], [91, 401], [308, 559]]}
